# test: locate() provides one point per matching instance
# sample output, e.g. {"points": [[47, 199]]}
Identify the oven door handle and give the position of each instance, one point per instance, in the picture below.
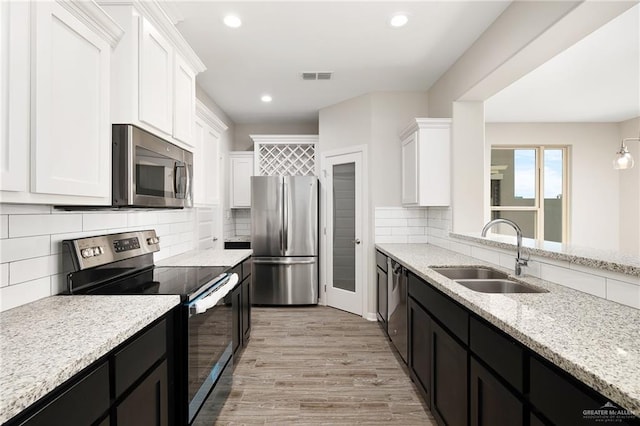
{"points": [[202, 305]]}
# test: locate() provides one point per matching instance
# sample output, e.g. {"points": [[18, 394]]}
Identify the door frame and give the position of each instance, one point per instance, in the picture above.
{"points": [[364, 238]]}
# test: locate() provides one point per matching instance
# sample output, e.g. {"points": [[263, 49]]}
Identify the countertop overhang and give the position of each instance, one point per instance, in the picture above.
{"points": [[595, 340]]}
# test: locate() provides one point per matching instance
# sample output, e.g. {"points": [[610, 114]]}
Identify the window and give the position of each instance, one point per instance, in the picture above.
{"points": [[529, 186]]}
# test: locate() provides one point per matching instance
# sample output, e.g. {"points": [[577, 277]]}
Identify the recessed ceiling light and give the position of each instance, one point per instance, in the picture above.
{"points": [[266, 98], [232, 21], [399, 20]]}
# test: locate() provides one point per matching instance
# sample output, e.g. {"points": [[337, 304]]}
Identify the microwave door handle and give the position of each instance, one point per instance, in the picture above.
{"points": [[175, 179], [187, 173], [178, 176]]}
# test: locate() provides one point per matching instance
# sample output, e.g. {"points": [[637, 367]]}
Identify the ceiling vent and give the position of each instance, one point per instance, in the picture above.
{"points": [[326, 75]]}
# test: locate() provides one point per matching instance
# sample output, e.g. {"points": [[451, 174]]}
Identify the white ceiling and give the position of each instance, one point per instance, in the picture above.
{"points": [[595, 80], [279, 40]]}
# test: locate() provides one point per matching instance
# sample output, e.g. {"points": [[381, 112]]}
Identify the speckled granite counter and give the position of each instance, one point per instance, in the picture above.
{"points": [[595, 258], [595, 340], [44, 343], [209, 257], [239, 239]]}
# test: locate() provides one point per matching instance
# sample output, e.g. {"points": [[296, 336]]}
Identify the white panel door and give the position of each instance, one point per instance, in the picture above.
{"points": [[241, 172], [156, 76], [344, 273], [71, 130], [184, 101], [410, 178], [14, 96], [212, 166]]}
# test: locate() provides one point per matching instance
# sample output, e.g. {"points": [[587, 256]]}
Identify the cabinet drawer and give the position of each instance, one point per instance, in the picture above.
{"points": [[441, 307], [138, 356], [498, 351], [548, 386], [92, 390], [246, 268], [381, 261]]}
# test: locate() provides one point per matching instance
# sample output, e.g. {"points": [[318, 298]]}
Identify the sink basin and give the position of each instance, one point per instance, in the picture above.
{"points": [[499, 286], [470, 273]]}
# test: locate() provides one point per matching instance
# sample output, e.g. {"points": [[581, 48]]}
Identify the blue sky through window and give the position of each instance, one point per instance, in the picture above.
{"points": [[524, 171]]}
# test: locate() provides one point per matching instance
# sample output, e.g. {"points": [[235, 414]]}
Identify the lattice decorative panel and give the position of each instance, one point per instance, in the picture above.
{"points": [[287, 159]]}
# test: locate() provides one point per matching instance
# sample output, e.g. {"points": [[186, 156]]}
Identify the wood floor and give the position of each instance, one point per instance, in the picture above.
{"points": [[319, 365]]}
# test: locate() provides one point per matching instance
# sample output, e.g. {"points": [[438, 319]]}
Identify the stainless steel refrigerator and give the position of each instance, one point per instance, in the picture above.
{"points": [[284, 240]]}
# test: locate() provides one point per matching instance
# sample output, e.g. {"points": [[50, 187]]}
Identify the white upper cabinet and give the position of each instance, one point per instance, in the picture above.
{"points": [[240, 172], [155, 78], [207, 162], [184, 96], [153, 72], [55, 103], [426, 162]]}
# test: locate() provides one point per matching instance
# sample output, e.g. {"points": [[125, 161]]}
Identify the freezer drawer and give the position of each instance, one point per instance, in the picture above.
{"points": [[285, 281]]}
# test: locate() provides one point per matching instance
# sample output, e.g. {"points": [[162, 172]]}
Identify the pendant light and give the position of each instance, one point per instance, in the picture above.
{"points": [[624, 159]]}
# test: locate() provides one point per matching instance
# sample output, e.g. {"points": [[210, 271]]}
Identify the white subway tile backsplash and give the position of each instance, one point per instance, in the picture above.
{"points": [[460, 248], [142, 218], [586, 283], [417, 222], [397, 222], [100, 221], [382, 213], [398, 239], [382, 230], [44, 224], [635, 280], [486, 255], [12, 249], [440, 242], [16, 295], [417, 239], [59, 283], [4, 226], [623, 292], [4, 274], [31, 269], [24, 209]]}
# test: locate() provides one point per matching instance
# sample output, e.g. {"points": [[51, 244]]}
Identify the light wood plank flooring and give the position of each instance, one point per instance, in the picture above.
{"points": [[319, 365]]}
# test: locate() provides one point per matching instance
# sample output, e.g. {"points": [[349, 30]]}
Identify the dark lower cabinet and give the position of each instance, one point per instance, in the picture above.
{"points": [[419, 353], [148, 403], [241, 307], [448, 378], [382, 289], [491, 403], [236, 306], [535, 420], [128, 386], [246, 309]]}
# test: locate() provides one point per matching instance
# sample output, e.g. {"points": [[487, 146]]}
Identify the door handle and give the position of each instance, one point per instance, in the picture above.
{"points": [[356, 241]]}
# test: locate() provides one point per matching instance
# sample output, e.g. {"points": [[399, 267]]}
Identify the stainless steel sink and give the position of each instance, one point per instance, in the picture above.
{"points": [[470, 273], [499, 286]]}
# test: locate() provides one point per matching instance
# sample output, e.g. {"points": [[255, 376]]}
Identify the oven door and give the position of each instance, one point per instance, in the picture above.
{"points": [[209, 350]]}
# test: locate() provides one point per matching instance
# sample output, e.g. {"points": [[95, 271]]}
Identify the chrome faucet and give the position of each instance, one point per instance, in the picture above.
{"points": [[520, 262]]}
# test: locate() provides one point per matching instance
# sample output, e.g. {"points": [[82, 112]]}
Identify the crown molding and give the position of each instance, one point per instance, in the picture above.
{"points": [[425, 123], [206, 115], [285, 139], [95, 18]]}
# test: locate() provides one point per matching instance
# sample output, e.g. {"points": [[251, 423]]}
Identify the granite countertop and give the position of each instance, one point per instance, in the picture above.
{"points": [[595, 340], [239, 238], [208, 257], [44, 343], [609, 260]]}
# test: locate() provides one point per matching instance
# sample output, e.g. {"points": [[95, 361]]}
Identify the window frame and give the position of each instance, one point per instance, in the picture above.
{"points": [[538, 206]]}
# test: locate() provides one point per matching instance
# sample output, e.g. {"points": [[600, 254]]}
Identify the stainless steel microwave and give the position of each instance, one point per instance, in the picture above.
{"points": [[148, 171]]}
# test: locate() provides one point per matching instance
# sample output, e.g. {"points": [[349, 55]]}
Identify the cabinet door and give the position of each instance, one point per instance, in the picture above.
{"points": [[448, 378], [410, 176], [492, 404], [184, 101], [211, 158], [419, 357], [199, 163], [71, 126], [155, 78], [241, 172], [14, 96], [148, 404], [236, 308], [246, 310], [381, 284]]}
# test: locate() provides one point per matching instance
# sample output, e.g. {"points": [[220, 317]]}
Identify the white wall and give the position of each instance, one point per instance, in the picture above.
{"points": [[242, 141], [31, 265], [594, 204], [630, 191], [374, 120]]}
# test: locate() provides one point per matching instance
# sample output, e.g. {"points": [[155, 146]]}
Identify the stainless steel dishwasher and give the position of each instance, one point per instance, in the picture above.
{"points": [[397, 308]]}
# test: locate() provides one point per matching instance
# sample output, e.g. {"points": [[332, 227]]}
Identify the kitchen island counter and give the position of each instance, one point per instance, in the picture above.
{"points": [[595, 340], [45, 343]]}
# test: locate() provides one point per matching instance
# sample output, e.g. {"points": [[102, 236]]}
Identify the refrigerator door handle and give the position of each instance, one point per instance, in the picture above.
{"points": [[285, 213], [288, 261]]}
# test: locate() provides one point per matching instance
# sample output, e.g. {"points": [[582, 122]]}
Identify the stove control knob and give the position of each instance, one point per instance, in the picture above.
{"points": [[153, 240], [97, 251], [88, 252]]}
